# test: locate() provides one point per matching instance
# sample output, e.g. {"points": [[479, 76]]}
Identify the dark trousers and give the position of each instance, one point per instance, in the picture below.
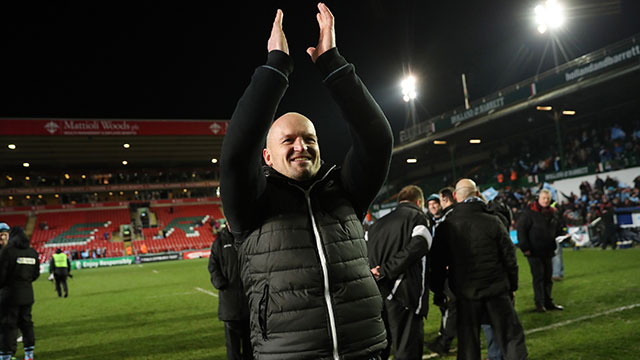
{"points": [[14, 318], [61, 279], [503, 318], [237, 338], [449, 319], [405, 331], [541, 273]]}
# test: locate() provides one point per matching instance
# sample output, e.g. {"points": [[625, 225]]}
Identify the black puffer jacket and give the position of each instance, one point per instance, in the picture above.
{"points": [[306, 274], [474, 243], [537, 232], [225, 276], [19, 267], [399, 243]]}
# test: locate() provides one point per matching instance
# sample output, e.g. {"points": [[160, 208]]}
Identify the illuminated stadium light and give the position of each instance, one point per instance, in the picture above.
{"points": [[28, 197], [544, 108], [56, 196], [475, 141], [12, 146], [214, 161], [184, 190], [121, 193], [39, 196], [110, 193], [66, 176], [568, 112], [27, 178], [126, 146], [84, 176], [549, 16], [409, 88], [412, 160], [439, 142], [124, 162], [25, 164], [9, 178], [10, 197]]}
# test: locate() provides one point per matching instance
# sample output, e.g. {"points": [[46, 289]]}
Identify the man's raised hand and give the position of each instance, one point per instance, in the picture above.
{"points": [[327, 39], [277, 40]]}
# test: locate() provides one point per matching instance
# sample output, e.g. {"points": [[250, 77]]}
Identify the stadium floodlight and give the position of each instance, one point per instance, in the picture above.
{"points": [[544, 108], [475, 141], [27, 178], [12, 146], [568, 112], [126, 146], [412, 160], [409, 88], [124, 162], [549, 16], [439, 142], [214, 161], [56, 196], [25, 164], [10, 197], [66, 176]]}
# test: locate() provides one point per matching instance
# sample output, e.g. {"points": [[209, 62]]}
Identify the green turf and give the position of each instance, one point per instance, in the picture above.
{"points": [[154, 311]]}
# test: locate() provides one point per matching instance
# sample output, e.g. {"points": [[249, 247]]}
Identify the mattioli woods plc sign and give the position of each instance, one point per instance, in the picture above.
{"points": [[62, 127]]}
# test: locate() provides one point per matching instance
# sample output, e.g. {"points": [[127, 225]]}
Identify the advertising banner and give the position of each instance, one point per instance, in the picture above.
{"points": [[188, 255], [111, 127], [157, 257], [95, 263]]}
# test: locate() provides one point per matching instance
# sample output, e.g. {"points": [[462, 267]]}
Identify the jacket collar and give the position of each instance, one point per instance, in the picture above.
{"points": [[325, 169]]}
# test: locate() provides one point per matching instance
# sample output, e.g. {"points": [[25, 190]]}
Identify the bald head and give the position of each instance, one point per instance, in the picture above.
{"points": [[465, 189], [292, 147]]}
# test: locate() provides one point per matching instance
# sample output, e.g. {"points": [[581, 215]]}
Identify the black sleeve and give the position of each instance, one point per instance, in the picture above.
{"points": [[52, 265], [416, 248], [241, 178], [4, 267], [367, 162], [507, 253], [440, 257], [522, 228], [36, 269], [218, 280], [68, 265]]}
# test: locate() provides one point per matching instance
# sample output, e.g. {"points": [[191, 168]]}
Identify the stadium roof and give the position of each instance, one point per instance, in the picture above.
{"points": [[192, 60]]}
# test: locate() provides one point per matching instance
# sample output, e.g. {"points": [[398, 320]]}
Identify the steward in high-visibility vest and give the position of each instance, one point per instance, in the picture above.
{"points": [[60, 267]]}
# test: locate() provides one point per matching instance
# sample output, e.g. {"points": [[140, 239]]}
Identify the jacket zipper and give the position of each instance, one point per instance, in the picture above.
{"points": [[323, 264]]}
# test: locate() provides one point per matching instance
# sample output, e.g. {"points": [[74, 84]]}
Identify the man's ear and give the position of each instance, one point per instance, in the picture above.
{"points": [[266, 155]]}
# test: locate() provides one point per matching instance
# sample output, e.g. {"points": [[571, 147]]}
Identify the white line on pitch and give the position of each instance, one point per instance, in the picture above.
{"points": [[154, 271], [206, 291], [587, 317]]}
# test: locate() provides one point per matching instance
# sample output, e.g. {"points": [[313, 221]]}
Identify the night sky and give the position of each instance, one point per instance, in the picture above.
{"points": [[192, 60]]}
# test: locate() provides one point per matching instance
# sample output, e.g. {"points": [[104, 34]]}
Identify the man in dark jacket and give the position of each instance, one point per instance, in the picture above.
{"points": [[473, 244], [232, 303], [303, 256], [19, 267], [60, 267], [398, 246], [538, 227]]}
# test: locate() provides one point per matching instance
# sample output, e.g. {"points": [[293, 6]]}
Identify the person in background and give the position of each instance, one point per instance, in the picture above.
{"points": [[434, 208], [4, 234], [19, 267], [60, 267], [233, 309]]}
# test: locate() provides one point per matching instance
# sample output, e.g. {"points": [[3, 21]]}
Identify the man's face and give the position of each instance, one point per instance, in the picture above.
{"points": [[4, 238], [434, 207], [292, 147], [445, 202], [544, 199]]}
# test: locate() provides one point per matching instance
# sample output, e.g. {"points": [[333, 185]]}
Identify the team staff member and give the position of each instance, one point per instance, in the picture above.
{"points": [[473, 245], [398, 246], [232, 303], [60, 267], [303, 254], [538, 227], [19, 267]]}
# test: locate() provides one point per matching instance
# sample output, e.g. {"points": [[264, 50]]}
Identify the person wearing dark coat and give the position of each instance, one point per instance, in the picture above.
{"points": [[60, 267], [472, 248], [19, 267], [538, 227], [297, 220], [232, 302], [398, 245]]}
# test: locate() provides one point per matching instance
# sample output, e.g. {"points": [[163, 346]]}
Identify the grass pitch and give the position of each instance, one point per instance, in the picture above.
{"points": [[156, 311]]}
